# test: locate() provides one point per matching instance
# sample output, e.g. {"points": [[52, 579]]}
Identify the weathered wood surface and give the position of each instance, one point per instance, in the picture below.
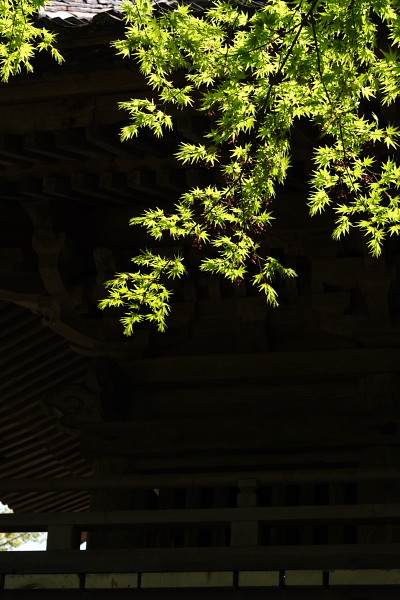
{"points": [[241, 433], [265, 365], [286, 515], [217, 480], [349, 556], [257, 459], [63, 537], [67, 82], [210, 594], [243, 532]]}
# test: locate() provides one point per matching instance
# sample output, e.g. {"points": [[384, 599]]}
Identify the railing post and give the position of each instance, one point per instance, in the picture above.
{"points": [[63, 537], [246, 533]]}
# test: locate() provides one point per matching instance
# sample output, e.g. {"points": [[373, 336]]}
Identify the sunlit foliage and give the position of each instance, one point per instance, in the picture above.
{"points": [[13, 540], [20, 38], [255, 70]]}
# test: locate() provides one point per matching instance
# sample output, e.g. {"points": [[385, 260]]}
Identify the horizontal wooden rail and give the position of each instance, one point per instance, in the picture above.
{"points": [[347, 556], [287, 515], [225, 479]]}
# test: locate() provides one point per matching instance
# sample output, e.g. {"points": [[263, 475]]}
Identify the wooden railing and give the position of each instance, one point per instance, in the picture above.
{"points": [[243, 550], [64, 535]]}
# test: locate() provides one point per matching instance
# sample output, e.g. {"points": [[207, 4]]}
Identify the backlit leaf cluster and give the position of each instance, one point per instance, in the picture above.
{"points": [[256, 69], [21, 38]]}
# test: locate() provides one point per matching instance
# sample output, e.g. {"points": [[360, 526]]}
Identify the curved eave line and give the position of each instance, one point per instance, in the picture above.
{"points": [[78, 18]]}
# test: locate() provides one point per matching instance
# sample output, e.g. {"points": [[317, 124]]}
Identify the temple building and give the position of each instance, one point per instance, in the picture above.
{"points": [[249, 452]]}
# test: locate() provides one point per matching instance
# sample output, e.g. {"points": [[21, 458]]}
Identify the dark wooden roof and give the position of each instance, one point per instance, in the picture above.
{"points": [[78, 11], [35, 361]]}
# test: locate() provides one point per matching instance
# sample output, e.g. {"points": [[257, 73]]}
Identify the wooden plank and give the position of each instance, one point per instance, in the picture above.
{"points": [[260, 459], [220, 479], [63, 537], [246, 533], [241, 433], [68, 82], [45, 116], [286, 515], [349, 556], [213, 398], [265, 365], [210, 594]]}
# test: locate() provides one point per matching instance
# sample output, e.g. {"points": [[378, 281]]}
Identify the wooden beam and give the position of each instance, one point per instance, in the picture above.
{"points": [[286, 515], [95, 81], [216, 479], [265, 366], [246, 533], [348, 556], [211, 594], [241, 433], [63, 537]]}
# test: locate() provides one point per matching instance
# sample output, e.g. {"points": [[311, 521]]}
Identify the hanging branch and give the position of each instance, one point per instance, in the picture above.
{"points": [[257, 70], [21, 38]]}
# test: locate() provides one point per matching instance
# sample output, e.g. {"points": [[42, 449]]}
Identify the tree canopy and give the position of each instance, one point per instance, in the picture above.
{"points": [[20, 38], [255, 69], [13, 540]]}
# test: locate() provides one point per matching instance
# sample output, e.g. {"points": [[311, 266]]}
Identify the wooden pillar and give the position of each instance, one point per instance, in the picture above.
{"points": [[193, 500], [246, 533], [109, 500], [221, 500], [380, 394], [63, 537]]}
